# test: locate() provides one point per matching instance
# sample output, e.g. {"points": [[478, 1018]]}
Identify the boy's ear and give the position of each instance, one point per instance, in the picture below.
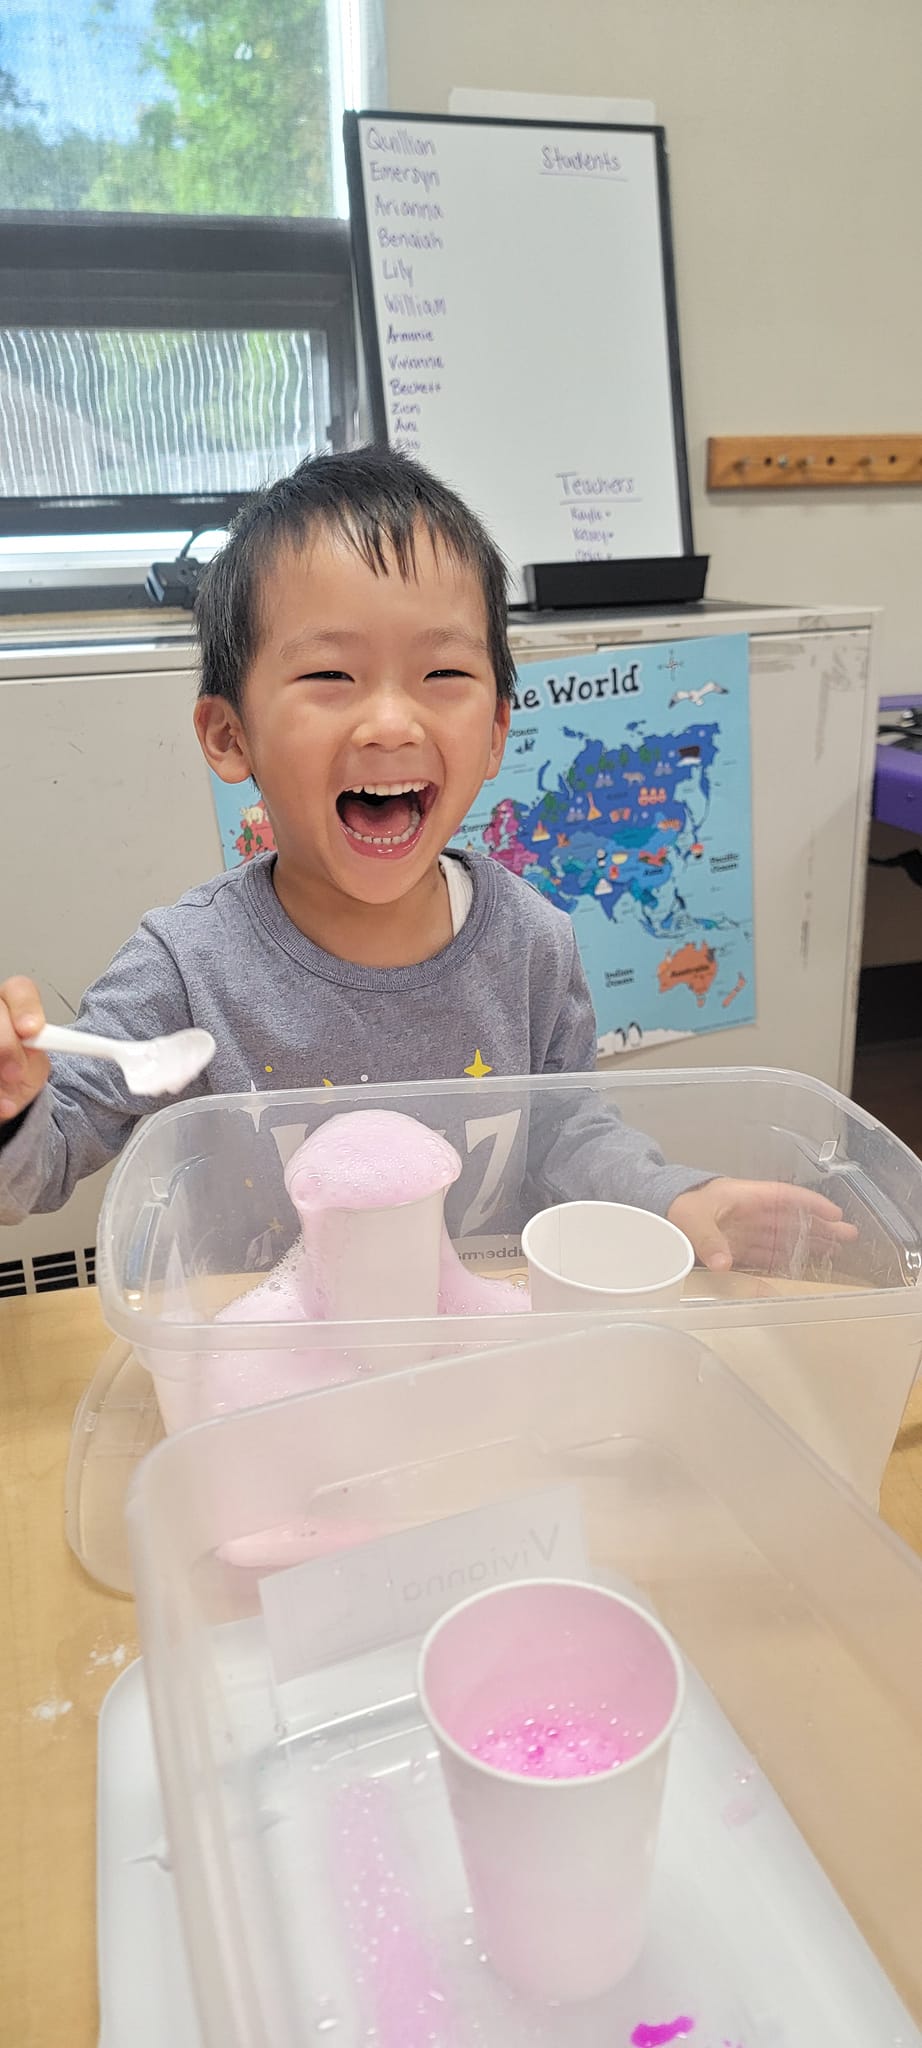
{"points": [[501, 718], [222, 739]]}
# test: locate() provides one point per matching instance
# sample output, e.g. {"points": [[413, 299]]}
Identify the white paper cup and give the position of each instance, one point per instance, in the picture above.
{"points": [[604, 1255], [378, 1264], [559, 1868]]}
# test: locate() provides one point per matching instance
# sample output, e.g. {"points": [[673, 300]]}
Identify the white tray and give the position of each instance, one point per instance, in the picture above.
{"points": [[749, 1944]]}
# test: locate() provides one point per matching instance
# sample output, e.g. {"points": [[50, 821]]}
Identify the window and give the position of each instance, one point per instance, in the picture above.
{"points": [[174, 257], [151, 371]]}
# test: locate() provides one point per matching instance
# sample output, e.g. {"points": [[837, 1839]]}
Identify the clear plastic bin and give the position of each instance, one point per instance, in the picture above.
{"points": [[197, 1212], [117, 1421], [319, 1884]]}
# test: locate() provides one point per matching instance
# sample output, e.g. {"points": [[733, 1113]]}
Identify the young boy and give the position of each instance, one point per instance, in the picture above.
{"points": [[355, 662]]}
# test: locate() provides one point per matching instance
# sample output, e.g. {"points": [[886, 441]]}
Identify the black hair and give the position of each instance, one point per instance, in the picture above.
{"points": [[377, 500]]}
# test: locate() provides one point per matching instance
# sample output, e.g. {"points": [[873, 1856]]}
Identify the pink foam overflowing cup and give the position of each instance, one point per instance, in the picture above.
{"points": [[369, 1190], [553, 1704]]}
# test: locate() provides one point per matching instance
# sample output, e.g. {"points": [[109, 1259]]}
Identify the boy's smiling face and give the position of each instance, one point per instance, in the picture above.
{"points": [[370, 718]]}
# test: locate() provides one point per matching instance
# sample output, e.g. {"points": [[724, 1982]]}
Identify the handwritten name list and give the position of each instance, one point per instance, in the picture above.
{"points": [[406, 227]]}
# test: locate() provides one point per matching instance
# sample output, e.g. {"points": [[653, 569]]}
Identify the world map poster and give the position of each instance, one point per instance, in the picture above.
{"points": [[625, 798]]}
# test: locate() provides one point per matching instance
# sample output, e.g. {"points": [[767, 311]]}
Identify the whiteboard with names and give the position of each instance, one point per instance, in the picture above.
{"points": [[518, 312]]}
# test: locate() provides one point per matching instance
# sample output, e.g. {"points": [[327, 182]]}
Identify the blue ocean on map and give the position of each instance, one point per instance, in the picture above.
{"points": [[625, 798]]}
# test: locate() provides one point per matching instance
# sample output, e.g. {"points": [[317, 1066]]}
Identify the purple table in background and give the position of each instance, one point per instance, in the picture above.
{"points": [[898, 776]]}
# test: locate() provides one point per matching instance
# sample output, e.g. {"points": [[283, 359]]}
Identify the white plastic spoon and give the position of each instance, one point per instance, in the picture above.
{"points": [[151, 1066]]}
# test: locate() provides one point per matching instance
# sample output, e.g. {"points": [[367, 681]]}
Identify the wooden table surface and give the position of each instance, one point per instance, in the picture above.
{"points": [[65, 1640]]}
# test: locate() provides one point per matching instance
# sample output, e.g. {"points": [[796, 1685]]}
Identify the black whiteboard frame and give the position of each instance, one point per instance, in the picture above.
{"points": [[364, 279]]}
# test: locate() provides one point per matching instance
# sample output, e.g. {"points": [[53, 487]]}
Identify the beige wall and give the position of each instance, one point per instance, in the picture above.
{"points": [[795, 134]]}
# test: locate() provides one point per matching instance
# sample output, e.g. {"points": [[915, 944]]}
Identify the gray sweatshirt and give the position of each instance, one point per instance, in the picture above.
{"points": [[507, 996]]}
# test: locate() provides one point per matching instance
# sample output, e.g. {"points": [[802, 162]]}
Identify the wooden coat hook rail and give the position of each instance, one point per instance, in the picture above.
{"points": [[773, 462]]}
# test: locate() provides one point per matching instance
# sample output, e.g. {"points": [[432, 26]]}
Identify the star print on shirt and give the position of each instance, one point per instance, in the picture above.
{"points": [[478, 1067]]}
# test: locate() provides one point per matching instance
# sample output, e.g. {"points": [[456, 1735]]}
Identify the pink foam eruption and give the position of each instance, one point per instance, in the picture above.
{"points": [[358, 1164]]}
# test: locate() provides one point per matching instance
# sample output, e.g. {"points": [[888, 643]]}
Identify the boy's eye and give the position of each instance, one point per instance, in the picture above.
{"points": [[326, 675], [436, 674]]}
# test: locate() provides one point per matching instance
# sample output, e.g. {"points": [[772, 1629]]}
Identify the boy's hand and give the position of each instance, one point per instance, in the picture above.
{"points": [[22, 1073], [757, 1224]]}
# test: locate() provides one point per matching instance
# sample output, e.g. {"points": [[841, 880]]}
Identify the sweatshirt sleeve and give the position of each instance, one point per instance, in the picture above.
{"points": [[85, 1115], [580, 1148], [572, 1046]]}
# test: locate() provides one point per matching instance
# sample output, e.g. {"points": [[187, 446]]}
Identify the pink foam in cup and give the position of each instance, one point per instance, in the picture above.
{"points": [[553, 1703]]}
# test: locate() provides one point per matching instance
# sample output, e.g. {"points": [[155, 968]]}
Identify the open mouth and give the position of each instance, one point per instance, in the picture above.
{"points": [[385, 817]]}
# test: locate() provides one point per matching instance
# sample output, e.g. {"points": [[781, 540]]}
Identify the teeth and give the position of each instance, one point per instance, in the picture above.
{"points": [[388, 789], [383, 838]]}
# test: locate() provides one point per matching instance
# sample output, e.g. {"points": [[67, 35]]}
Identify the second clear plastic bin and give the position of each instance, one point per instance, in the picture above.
{"points": [[290, 1560], [197, 1214]]}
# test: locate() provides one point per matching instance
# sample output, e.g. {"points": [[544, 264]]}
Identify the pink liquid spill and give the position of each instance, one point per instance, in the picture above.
{"points": [[393, 1963], [659, 2036], [569, 1744]]}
